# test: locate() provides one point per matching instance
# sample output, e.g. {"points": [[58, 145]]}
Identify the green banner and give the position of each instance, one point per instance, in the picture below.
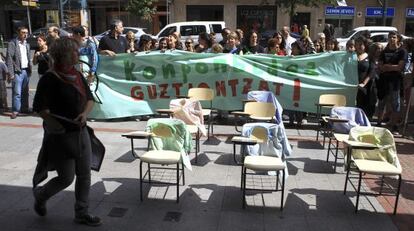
{"points": [[138, 84]]}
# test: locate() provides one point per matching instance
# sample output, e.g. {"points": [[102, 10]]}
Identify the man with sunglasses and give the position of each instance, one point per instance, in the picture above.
{"points": [[19, 66]]}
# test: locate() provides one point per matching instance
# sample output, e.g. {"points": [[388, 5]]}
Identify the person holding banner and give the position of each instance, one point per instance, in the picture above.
{"points": [[366, 95], [289, 40], [231, 46], [63, 100], [205, 41], [114, 43], [174, 42], [251, 44]]}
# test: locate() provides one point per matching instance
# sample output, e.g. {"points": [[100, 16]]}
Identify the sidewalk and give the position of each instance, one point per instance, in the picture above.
{"points": [[211, 198]]}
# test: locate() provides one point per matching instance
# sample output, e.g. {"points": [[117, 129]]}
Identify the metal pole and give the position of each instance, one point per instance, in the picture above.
{"points": [[384, 13], [61, 12], [28, 18], [168, 11]]}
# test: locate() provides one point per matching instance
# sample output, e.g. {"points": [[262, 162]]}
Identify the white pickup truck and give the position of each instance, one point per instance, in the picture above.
{"points": [[192, 29]]}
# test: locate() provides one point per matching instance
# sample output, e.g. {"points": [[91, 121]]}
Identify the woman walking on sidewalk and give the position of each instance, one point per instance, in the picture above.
{"points": [[63, 100]]}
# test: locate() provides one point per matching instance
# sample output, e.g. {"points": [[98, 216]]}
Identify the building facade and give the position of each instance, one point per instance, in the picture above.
{"points": [[263, 14], [99, 14], [260, 15]]}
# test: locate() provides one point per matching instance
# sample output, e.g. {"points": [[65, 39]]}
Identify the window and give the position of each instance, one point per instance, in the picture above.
{"points": [[381, 38], [409, 27], [216, 28], [377, 22], [168, 31], [205, 13], [343, 27], [192, 30]]}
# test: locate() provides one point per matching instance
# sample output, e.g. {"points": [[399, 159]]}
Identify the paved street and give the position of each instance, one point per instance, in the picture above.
{"points": [[211, 198]]}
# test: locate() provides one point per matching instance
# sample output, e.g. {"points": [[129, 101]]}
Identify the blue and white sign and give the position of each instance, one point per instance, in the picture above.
{"points": [[340, 10], [410, 13], [377, 12]]}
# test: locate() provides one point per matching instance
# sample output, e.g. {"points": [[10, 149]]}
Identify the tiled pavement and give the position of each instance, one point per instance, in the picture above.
{"points": [[211, 198]]}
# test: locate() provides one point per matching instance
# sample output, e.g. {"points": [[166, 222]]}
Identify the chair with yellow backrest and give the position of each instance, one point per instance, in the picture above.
{"points": [[327, 101], [265, 157], [371, 150], [256, 111], [170, 142], [204, 94]]}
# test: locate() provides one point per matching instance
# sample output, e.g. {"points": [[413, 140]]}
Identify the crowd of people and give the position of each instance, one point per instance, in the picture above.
{"points": [[382, 71], [373, 60]]}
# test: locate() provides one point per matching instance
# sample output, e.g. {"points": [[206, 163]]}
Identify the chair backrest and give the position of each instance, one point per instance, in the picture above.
{"points": [[201, 94], [379, 136], [162, 130], [354, 115], [169, 134], [267, 97], [336, 99], [260, 134], [260, 109]]}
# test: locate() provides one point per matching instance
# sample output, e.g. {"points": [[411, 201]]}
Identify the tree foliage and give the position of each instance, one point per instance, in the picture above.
{"points": [[291, 5], [142, 8]]}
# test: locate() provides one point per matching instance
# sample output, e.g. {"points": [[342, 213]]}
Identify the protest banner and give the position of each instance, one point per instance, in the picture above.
{"points": [[138, 84]]}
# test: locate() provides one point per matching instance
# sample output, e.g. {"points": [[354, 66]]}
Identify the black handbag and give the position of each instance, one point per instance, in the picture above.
{"points": [[98, 150]]}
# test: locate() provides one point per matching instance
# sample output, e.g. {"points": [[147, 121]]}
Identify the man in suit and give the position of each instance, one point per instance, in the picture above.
{"points": [[20, 67]]}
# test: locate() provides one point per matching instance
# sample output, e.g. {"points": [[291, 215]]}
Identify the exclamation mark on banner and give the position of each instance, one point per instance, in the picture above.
{"points": [[296, 92]]}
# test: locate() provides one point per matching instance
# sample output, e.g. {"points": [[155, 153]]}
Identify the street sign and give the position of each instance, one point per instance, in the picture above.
{"points": [[32, 3], [340, 10], [377, 12], [410, 13]]}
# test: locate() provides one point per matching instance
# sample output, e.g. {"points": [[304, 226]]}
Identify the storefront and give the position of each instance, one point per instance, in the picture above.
{"points": [[205, 13], [341, 17], [409, 22], [374, 16], [260, 19]]}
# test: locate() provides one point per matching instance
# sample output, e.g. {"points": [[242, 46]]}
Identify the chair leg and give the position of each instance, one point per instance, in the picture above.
{"points": [[277, 180], [236, 119], [197, 147], [244, 188], [317, 133], [198, 140], [382, 184], [234, 154], [283, 190], [346, 179], [212, 124], [140, 181], [178, 182], [336, 154], [149, 173], [241, 179], [358, 192], [324, 140], [182, 169], [329, 149], [398, 194]]}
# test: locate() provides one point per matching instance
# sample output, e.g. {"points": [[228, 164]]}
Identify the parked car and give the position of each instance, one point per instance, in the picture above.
{"points": [[32, 38], [193, 29], [357, 32], [138, 31]]}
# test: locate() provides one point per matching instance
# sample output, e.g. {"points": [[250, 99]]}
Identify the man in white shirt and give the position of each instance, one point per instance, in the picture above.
{"points": [[20, 67], [289, 39]]}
